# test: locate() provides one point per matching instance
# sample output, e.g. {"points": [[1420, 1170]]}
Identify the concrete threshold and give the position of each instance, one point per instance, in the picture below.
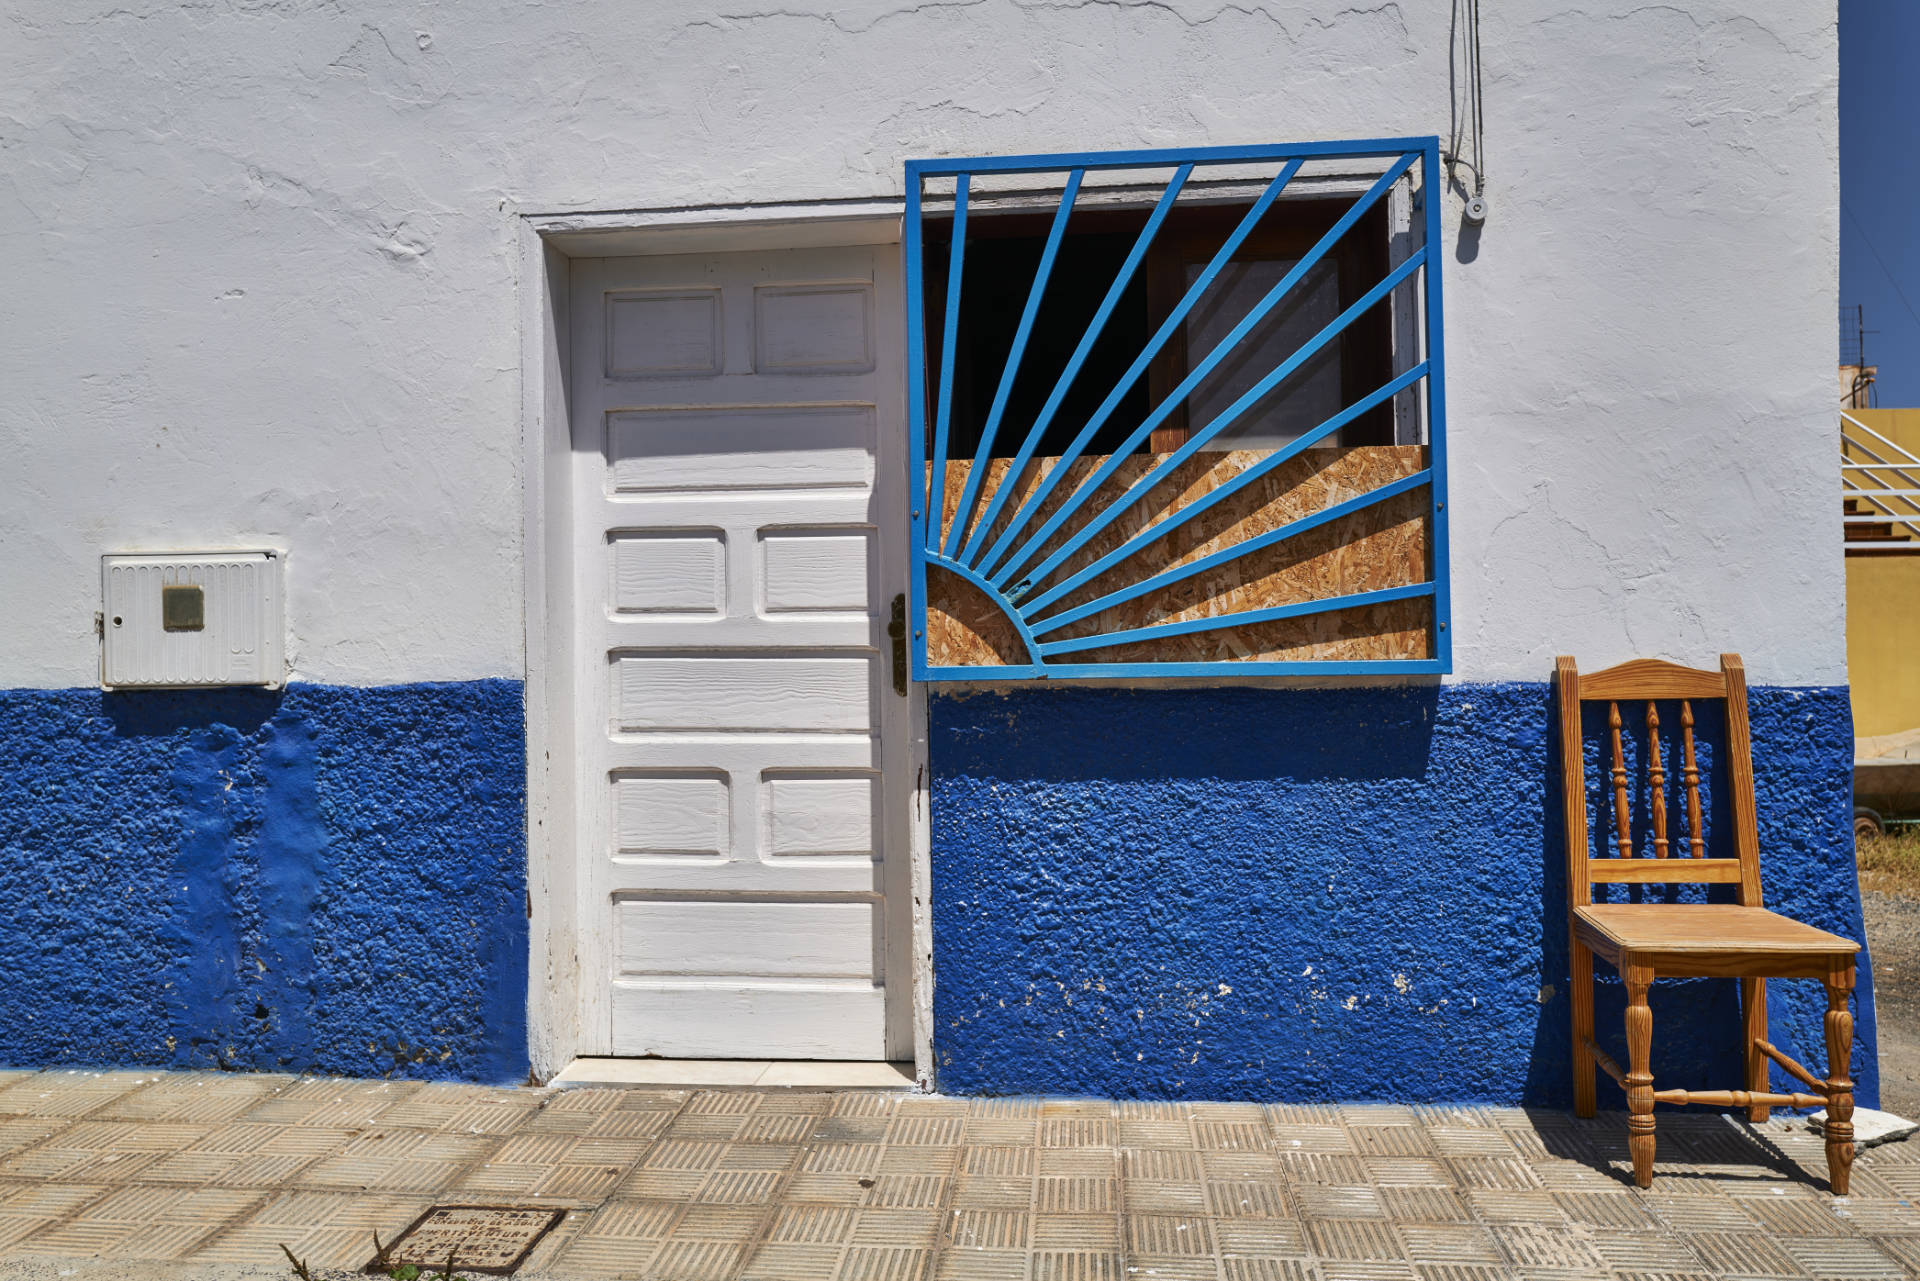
{"points": [[739, 1074]]}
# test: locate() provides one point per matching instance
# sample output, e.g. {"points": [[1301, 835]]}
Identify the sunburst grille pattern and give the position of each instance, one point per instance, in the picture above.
{"points": [[1245, 474]]}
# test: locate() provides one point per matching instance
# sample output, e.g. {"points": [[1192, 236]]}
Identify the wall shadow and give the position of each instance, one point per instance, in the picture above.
{"points": [[1063, 735], [159, 713]]}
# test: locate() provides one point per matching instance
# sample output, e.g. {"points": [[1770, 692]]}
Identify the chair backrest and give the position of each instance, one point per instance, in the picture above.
{"points": [[1650, 682]]}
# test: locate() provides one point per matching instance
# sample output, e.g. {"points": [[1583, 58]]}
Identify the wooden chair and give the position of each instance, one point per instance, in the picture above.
{"points": [[1646, 940]]}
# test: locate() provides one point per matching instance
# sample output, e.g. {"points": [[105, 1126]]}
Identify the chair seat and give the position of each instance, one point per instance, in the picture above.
{"points": [[1703, 930]]}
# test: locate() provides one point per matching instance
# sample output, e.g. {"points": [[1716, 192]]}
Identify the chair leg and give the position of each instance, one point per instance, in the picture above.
{"points": [[1753, 1008], [1839, 1084], [1640, 1139], [1581, 993]]}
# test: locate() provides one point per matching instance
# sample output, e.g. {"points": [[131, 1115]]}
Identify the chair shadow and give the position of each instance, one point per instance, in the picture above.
{"points": [[1734, 1149]]}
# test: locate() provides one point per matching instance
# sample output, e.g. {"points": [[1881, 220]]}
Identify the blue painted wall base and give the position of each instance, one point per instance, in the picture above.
{"points": [[321, 879], [1322, 895]]}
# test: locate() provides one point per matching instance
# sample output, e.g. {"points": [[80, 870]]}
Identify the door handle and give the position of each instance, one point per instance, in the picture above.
{"points": [[897, 632]]}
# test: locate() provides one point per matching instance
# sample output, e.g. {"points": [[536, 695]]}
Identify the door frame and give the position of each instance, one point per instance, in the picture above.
{"points": [[547, 244]]}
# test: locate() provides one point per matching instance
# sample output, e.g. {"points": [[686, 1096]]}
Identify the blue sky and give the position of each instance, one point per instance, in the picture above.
{"points": [[1880, 185]]}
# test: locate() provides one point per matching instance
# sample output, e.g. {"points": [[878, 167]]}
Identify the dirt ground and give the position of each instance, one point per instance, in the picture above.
{"points": [[1893, 939]]}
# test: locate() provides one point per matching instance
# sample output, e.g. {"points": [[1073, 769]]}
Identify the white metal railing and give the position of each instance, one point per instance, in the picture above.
{"points": [[1888, 482]]}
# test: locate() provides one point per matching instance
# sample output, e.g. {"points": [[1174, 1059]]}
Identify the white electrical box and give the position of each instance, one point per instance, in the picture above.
{"points": [[192, 619]]}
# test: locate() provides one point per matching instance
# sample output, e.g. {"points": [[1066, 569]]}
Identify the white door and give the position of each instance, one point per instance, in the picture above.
{"points": [[738, 481]]}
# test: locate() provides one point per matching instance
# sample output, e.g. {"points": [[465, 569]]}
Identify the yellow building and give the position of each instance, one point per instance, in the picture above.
{"points": [[1881, 448]]}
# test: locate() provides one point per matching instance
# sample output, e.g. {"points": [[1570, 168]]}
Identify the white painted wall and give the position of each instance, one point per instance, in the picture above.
{"points": [[260, 259]]}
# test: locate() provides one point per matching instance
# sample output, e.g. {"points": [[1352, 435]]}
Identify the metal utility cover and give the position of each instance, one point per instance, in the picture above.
{"points": [[493, 1239]]}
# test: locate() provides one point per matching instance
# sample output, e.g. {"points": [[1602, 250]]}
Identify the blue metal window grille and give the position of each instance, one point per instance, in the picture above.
{"points": [[1034, 554]]}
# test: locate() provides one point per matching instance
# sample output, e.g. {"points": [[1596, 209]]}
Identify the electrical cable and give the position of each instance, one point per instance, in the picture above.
{"points": [[1868, 242], [1469, 126]]}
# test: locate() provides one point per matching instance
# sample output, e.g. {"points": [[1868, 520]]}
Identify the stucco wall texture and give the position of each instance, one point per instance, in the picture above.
{"points": [[323, 879], [1324, 895], [258, 251]]}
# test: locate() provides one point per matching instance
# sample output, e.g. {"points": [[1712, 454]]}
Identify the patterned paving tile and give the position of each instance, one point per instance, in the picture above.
{"points": [[1154, 1131], [697, 1260], [1076, 1265], [782, 1262], [1346, 1201], [1365, 1270], [1145, 1196], [1881, 1216], [942, 1161], [1423, 1205], [619, 1123], [1168, 1234], [1008, 1162], [386, 1174], [1076, 1132], [1095, 1233], [630, 1221], [1494, 1205], [1318, 1167], [1644, 1252], [325, 1229], [1356, 1114], [791, 1185], [1698, 1213], [19, 1133], [1904, 1248], [719, 1127], [1354, 1239], [908, 1191], [1075, 1196], [1492, 1172], [1433, 1244], [826, 1189], [1539, 1246], [1259, 1198], [1394, 1140], [991, 1191], [1604, 1210], [1082, 1163], [1445, 1271], [981, 1265], [916, 1229], [988, 1229], [1406, 1171], [75, 1240], [333, 1103], [1795, 1216], [915, 1130], [602, 1257], [1842, 1259], [1457, 1140], [1312, 1138], [68, 1093], [195, 1097], [884, 1263], [1747, 1253]]}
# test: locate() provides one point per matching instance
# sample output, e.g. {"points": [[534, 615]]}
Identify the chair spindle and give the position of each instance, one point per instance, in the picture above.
{"points": [[1690, 774], [1620, 816], [1656, 782]]}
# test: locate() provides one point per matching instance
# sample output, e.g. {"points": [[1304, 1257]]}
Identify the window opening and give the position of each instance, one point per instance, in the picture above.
{"points": [[1167, 436]]}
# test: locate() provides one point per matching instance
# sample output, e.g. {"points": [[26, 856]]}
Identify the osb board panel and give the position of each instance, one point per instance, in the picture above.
{"points": [[965, 629], [1386, 545]]}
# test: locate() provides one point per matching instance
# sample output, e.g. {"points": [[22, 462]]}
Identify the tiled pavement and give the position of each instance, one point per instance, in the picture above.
{"points": [[789, 1186]]}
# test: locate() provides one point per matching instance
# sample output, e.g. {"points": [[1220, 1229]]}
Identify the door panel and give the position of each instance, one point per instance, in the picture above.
{"points": [[738, 490]]}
